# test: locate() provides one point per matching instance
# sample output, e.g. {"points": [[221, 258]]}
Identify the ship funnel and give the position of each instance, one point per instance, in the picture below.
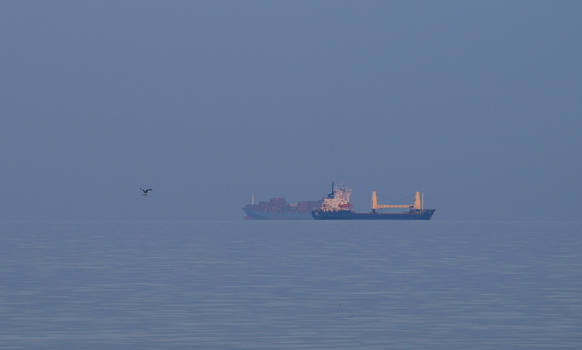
{"points": [[374, 201]]}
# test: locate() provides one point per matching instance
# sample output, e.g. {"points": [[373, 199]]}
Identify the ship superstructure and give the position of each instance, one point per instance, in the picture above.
{"points": [[338, 199]]}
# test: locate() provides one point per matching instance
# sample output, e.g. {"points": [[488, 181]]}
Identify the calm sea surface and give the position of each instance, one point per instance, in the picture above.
{"points": [[290, 285]]}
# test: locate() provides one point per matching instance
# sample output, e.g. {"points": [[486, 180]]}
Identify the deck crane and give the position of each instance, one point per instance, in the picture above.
{"points": [[418, 203]]}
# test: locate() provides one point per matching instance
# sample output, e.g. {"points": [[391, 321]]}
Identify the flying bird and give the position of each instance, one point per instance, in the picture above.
{"points": [[145, 190]]}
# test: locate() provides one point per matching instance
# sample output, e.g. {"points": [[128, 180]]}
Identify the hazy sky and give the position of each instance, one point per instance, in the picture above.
{"points": [[478, 104]]}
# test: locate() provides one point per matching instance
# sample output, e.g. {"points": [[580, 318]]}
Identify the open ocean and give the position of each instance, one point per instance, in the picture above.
{"points": [[290, 285]]}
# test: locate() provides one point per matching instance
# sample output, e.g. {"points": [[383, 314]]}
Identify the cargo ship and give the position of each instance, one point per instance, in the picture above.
{"points": [[337, 206], [279, 209]]}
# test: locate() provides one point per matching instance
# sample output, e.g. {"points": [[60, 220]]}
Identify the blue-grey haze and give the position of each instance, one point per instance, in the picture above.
{"points": [[477, 104]]}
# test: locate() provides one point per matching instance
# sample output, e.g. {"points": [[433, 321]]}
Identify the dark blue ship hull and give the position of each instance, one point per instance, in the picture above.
{"points": [[423, 214]]}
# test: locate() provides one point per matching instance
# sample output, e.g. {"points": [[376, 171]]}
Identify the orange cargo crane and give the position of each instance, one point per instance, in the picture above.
{"points": [[418, 203]]}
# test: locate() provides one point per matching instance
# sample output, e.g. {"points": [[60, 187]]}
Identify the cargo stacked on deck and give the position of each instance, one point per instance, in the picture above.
{"points": [[279, 209]]}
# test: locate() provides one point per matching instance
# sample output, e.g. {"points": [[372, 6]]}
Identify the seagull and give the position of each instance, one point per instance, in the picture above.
{"points": [[145, 190]]}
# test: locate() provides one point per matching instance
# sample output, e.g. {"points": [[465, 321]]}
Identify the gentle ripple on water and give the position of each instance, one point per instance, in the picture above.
{"points": [[290, 285]]}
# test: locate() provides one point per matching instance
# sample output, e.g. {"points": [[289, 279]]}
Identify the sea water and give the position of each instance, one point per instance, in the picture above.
{"points": [[290, 285]]}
